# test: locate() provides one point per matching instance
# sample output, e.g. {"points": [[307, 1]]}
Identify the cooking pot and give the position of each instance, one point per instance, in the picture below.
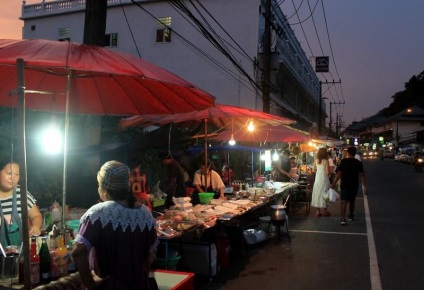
{"points": [[278, 212]]}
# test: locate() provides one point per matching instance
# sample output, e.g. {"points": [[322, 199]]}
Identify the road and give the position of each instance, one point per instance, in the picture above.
{"points": [[382, 249]]}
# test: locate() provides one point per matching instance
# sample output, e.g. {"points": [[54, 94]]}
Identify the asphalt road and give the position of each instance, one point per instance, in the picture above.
{"points": [[382, 249]]}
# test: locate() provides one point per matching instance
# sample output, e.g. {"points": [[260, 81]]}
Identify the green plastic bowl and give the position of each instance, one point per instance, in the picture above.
{"points": [[73, 224], [205, 197]]}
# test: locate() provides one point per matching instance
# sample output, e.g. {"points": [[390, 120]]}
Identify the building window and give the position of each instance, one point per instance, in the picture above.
{"points": [[111, 39], [32, 27], [163, 31], [64, 31]]}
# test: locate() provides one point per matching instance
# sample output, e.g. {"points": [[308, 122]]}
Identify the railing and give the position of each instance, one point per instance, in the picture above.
{"points": [[55, 7]]}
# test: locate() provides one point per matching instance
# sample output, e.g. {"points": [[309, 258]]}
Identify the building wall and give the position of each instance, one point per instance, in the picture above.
{"points": [[242, 19]]}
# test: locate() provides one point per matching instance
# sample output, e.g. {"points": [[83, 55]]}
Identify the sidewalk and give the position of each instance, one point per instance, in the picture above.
{"points": [[316, 252]]}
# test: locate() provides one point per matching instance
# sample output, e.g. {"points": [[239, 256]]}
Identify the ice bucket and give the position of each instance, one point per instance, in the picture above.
{"points": [[9, 266]]}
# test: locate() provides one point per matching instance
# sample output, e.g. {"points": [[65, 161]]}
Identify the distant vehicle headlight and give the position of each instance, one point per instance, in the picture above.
{"points": [[420, 160]]}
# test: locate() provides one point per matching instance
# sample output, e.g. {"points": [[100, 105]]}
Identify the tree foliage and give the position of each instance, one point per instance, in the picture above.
{"points": [[412, 95]]}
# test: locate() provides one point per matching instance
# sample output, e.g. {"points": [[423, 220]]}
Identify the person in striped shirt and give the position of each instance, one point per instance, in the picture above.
{"points": [[10, 205]]}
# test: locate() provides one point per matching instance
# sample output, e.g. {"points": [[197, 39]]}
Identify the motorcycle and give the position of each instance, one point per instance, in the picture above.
{"points": [[418, 164]]}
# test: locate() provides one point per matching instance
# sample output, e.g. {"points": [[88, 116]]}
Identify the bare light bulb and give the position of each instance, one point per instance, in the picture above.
{"points": [[232, 141], [251, 127]]}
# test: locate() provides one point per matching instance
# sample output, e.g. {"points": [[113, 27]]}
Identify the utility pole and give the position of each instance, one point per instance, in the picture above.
{"points": [[320, 102], [338, 123], [266, 73], [95, 22], [333, 103]]}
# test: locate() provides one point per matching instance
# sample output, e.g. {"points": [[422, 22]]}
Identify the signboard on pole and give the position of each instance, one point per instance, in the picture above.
{"points": [[322, 63]]}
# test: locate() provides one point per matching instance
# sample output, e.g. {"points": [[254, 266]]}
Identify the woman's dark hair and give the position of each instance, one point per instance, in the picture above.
{"points": [[208, 164], [122, 195], [322, 154], [7, 157]]}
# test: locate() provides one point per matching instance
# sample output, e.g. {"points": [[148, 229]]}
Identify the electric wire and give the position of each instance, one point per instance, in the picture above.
{"points": [[202, 53], [214, 41], [129, 28]]}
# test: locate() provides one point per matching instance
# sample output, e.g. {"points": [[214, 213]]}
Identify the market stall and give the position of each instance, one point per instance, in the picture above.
{"points": [[200, 228]]}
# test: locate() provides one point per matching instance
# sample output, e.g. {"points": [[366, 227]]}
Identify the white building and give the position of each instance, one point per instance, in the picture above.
{"points": [[167, 36]]}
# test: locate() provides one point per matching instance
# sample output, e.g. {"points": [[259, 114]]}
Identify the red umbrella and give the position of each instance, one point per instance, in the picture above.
{"points": [[225, 117], [101, 81], [280, 133], [70, 77], [220, 115]]}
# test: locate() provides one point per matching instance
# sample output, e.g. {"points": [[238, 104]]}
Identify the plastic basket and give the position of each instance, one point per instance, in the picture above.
{"points": [[205, 197], [172, 262]]}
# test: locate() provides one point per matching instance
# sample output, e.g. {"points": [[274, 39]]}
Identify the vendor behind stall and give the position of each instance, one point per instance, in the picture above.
{"points": [[207, 180], [10, 204], [175, 184]]}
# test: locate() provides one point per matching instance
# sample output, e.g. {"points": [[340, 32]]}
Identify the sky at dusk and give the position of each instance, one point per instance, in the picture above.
{"points": [[376, 46]]}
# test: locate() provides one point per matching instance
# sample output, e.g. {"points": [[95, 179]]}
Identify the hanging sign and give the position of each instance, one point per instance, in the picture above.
{"points": [[322, 64]]}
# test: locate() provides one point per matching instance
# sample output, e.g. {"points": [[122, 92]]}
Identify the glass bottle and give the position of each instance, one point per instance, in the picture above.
{"points": [[34, 265], [44, 254]]}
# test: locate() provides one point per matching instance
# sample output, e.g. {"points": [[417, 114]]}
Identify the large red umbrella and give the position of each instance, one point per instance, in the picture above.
{"points": [[281, 133], [69, 77], [101, 81]]}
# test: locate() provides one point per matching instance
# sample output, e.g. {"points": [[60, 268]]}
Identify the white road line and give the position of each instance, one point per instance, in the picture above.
{"points": [[374, 271], [325, 232]]}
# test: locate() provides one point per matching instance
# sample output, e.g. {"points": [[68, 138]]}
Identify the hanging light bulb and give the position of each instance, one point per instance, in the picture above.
{"points": [[52, 139], [232, 141], [251, 127]]}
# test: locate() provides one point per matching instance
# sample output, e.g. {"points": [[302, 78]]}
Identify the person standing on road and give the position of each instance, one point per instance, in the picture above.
{"points": [[321, 183], [349, 171]]}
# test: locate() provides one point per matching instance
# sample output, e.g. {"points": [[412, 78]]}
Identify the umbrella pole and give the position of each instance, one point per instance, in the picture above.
{"points": [[65, 150], [23, 182], [206, 153]]}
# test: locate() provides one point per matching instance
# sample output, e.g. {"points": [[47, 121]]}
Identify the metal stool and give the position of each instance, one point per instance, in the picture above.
{"points": [[278, 224]]}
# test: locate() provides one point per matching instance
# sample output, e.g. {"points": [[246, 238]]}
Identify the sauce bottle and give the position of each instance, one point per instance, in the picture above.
{"points": [[62, 257], [54, 262], [34, 265], [44, 254]]}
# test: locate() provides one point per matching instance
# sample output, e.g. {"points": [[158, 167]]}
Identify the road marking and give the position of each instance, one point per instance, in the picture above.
{"points": [[374, 271], [325, 232]]}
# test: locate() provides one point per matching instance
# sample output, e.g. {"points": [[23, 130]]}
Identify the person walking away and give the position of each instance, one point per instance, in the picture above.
{"points": [[322, 182], [117, 241], [284, 167], [330, 166], [175, 184], [349, 172]]}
